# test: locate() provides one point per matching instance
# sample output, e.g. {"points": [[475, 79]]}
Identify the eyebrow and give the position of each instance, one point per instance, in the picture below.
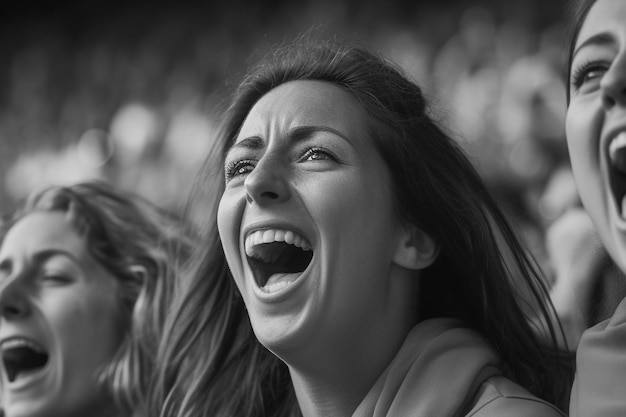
{"points": [[297, 134], [602, 38]]}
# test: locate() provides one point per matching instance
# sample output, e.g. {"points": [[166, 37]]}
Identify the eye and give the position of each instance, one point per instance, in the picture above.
{"points": [[55, 278], [239, 167], [317, 154], [588, 75]]}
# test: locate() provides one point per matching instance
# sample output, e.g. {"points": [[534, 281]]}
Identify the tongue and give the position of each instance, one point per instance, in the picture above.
{"points": [[22, 359], [617, 153]]}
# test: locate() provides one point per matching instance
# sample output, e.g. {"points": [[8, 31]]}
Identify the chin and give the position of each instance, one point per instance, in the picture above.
{"points": [[283, 336]]}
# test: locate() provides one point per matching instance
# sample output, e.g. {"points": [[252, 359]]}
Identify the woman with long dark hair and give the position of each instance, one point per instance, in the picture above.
{"points": [[368, 273]]}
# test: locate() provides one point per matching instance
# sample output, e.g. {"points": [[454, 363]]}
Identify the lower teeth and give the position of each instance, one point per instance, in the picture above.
{"points": [[278, 282], [275, 287]]}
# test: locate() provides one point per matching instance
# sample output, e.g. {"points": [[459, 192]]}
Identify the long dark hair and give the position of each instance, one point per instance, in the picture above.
{"points": [[213, 365]]}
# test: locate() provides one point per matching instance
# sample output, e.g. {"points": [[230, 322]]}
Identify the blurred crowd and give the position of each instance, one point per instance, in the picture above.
{"points": [[132, 95]]}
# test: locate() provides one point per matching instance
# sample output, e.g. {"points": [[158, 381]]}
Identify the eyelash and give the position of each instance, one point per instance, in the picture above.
{"points": [[313, 151], [245, 166], [579, 74], [56, 278], [233, 168]]}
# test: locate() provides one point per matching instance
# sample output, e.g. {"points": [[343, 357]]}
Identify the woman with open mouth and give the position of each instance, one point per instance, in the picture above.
{"points": [[371, 274], [85, 277], [596, 136]]}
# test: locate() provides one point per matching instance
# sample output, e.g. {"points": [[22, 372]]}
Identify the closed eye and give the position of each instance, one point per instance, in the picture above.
{"points": [[55, 278]]}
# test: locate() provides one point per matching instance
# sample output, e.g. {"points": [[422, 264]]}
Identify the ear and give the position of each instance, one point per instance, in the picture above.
{"points": [[140, 272], [415, 249]]}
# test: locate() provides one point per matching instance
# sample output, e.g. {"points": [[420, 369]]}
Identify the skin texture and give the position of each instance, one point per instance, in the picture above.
{"points": [[54, 293], [356, 301], [596, 114]]}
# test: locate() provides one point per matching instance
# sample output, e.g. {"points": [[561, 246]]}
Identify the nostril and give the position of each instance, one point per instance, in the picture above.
{"points": [[265, 195], [270, 194], [608, 101], [266, 186], [11, 311]]}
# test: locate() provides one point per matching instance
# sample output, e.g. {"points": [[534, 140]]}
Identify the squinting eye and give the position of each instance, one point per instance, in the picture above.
{"points": [[236, 168], [317, 154]]}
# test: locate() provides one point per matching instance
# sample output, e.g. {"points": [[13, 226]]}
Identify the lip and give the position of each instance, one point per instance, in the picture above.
{"points": [[298, 282], [30, 378]]}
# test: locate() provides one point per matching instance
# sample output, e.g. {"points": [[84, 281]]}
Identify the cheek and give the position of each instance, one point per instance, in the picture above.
{"points": [[224, 216], [356, 208], [583, 142], [94, 322], [578, 135], [583, 131], [337, 201], [229, 217]]}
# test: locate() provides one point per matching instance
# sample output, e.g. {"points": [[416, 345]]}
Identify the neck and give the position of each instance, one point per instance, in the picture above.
{"points": [[317, 396], [336, 379], [335, 368]]}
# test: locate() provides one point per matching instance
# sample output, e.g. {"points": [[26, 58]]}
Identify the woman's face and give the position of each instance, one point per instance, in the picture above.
{"points": [[306, 220], [59, 319], [596, 121]]}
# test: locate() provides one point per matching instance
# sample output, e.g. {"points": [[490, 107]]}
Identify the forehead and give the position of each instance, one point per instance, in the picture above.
{"points": [[37, 230], [305, 102], [604, 15]]}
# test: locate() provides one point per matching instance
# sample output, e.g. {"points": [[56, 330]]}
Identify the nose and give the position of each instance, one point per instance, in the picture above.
{"points": [[613, 84], [13, 300], [267, 183]]}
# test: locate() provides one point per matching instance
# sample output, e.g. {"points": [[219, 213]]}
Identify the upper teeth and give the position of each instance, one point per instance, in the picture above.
{"points": [[275, 235], [616, 144], [20, 342]]}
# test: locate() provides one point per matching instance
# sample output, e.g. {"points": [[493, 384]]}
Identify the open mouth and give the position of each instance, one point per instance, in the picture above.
{"points": [[21, 357], [617, 171], [277, 257]]}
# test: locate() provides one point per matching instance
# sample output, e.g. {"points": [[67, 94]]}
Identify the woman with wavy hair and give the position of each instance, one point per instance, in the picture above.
{"points": [[355, 264], [86, 275]]}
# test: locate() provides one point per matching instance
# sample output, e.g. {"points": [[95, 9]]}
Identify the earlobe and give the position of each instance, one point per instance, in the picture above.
{"points": [[415, 249]]}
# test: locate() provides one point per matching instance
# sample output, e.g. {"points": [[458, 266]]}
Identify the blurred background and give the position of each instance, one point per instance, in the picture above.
{"points": [[129, 92]]}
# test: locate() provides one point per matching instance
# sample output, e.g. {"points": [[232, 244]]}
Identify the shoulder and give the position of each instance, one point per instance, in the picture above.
{"points": [[499, 396]]}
